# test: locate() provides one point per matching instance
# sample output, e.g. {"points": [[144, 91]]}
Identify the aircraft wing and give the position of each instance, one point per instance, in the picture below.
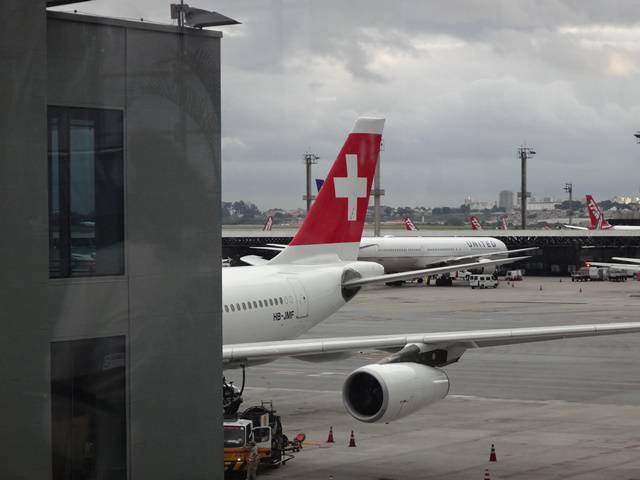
{"points": [[396, 277], [626, 259], [254, 260], [485, 255], [618, 266], [575, 227], [448, 341]]}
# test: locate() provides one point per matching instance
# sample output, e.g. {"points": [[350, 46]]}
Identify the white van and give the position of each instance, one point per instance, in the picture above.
{"points": [[483, 281]]}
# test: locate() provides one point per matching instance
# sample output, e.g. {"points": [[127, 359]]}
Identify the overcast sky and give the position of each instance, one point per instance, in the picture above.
{"points": [[461, 83]]}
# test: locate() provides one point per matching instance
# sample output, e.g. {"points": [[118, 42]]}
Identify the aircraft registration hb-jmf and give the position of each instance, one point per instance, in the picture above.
{"points": [[318, 273]]}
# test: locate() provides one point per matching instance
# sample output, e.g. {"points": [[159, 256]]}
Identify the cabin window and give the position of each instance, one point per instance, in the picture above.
{"points": [[233, 308], [226, 308], [281, 302], [244, 306], [255, 305], [238, 306], [260, 303], [271, 302], [249, 305]]}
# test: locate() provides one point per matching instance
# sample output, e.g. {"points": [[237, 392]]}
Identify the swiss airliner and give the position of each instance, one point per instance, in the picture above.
{"points": [[265, 308]]}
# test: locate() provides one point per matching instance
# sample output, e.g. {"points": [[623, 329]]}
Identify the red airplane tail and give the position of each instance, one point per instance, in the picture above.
{"points": [[333, 227], [409, 225], [475, 223], [598, 222], [268, 224]]}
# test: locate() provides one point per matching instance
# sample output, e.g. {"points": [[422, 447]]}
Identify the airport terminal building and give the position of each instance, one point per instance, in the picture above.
{"points": [[110, 269]]}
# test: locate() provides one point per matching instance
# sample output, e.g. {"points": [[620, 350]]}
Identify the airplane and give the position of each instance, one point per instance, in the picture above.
{"points": [[266, 307], [633, 265], [475, 223], [503, 222], [598, 222], [268, 224], [409, 225]]}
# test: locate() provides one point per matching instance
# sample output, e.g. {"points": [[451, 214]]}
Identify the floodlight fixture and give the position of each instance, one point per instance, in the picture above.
{"points": [[637, 135], [197, 17]]}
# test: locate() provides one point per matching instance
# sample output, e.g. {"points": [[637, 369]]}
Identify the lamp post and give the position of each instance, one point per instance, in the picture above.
{"points": [[309, 159], [524, 153], [568, 187]]}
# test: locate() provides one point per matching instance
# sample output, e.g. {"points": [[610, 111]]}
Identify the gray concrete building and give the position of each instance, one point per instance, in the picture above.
{"points": [[110, 254], [505, 200]]}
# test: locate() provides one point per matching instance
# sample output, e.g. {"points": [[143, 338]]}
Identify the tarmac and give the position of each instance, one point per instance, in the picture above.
{"points": [[565, 409]]}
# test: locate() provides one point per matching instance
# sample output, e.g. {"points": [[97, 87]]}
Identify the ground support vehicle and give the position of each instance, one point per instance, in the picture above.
{"points": [[262, 425], [514, 275], [616, 275], [581, 275], [483, 281]]}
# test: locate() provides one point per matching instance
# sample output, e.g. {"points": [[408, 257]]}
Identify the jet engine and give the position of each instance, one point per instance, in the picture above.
{"points": [[385, 392], [488, 269], [358, 270]]}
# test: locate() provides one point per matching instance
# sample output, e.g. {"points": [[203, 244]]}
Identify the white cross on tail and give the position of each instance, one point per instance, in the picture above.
{"points": [[351, 187]]}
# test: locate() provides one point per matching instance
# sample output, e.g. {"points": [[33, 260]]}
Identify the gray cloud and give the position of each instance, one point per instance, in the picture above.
{"points": [[462, 84]]}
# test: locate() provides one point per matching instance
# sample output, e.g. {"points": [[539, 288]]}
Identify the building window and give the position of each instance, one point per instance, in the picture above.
{"points": [[86, 192], [88, 409]]}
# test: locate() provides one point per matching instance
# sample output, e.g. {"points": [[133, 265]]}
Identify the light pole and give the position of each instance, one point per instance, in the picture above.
{"points": [[568, 187], [309, 159], [524, 153]]}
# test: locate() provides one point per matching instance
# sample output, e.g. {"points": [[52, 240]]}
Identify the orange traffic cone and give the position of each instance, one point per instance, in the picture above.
{"points": [[487, 475], [352, 440], [330, 437], [492, 455]]}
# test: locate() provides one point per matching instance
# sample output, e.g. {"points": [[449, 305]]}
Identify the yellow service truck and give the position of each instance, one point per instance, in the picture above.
{"points": [[259, 424]]}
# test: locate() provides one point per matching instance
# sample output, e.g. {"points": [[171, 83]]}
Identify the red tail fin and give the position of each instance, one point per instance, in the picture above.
{"points": [[268, 224], [475, 223], [334, 224], [596, 216], [503, 222], [409, 225]]}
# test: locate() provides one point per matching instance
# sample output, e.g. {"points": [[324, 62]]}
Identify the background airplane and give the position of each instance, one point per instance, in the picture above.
{"points": [[409, 225], [266, 307], [268, 224], [598, 222], [475, 223]]}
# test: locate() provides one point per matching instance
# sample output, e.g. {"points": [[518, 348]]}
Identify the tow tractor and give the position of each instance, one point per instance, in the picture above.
{"points": [[258, 423]]}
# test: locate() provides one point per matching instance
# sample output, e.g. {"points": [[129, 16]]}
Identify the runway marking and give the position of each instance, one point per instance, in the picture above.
{"points": [[323, 374]]}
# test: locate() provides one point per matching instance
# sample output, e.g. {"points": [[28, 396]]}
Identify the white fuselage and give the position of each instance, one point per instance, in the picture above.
{"points": [[281, 302], [400, 254]]}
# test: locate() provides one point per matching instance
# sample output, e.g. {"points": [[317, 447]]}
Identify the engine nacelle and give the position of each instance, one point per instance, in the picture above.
{"points": [[358, 270], [486, 269], [385, 392]]}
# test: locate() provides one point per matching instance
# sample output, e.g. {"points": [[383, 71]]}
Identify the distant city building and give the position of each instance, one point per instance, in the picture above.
{"points": [[626, 199], [475, 205], [506, 200], [546, 203]]}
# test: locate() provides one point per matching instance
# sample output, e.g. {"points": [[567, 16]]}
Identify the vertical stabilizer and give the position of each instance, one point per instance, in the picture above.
{"points": [[596, 216], [333, 227]]}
